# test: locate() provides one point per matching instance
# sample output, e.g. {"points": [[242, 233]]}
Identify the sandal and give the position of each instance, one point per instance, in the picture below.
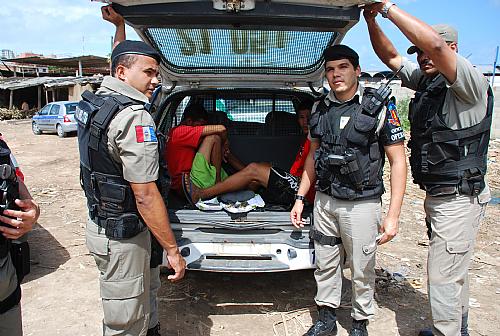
{"points": [[187, 188]]}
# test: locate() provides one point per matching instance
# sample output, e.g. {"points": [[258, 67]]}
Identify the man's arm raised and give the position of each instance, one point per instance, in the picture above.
{"points": [[424, 38], [110, 15], [381, 44]]}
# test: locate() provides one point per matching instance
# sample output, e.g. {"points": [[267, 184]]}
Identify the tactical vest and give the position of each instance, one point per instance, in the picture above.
{"points": [[9, 189], [446, 161], [110, 199], [349, 161]]}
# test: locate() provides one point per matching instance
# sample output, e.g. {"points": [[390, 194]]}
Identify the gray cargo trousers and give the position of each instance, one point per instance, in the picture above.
{"points": [[10, 321], [124, 280], [454, 220], [357, 223]]}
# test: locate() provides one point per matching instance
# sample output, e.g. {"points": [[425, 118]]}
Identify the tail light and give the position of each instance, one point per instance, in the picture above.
{"points": [[66, 119]]}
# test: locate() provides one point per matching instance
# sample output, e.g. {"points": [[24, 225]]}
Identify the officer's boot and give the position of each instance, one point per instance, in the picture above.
{"points": [[155, 331], [326, 325], [464, 329], [358, 328]]}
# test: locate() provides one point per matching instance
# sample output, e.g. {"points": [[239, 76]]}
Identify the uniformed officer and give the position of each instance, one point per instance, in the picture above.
{"points": [[450, 118], [350, 130], [14, 257], [119, 169]]}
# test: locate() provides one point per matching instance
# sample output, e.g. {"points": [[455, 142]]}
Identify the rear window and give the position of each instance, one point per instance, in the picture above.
{"points": [[252, 109], [71, 108], [240, 51]]}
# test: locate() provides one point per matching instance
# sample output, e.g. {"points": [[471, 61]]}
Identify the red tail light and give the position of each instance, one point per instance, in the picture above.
{"points": [[66, 119]]}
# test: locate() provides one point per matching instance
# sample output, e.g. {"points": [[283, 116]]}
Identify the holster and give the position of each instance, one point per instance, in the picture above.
{"points": [[20, 255], [156, 253]]}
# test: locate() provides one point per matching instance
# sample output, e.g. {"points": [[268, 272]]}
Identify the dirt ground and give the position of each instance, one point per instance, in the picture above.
{"points": [[61, 295]]}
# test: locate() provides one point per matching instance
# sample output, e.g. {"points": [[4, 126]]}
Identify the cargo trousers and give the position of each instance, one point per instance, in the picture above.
{"points": [[357, 223], [124, 280], [10, 321], [454, 221]]}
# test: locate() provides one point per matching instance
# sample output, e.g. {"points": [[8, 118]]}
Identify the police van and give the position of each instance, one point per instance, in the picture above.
{"points": [[243, 60]]}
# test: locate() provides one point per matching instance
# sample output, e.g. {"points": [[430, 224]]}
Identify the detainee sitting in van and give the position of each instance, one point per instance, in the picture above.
{"points": [[280, 184], [198, 149]]}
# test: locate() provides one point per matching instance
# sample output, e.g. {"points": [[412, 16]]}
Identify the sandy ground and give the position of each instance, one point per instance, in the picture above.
{"points": [[61, 295]]}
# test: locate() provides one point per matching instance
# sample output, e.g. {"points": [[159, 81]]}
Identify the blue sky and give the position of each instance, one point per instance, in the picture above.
{"points": [[75, 27]]}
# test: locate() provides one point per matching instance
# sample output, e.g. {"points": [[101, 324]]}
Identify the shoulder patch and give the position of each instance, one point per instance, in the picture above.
{"points": [[393, 115], [145, 134]]}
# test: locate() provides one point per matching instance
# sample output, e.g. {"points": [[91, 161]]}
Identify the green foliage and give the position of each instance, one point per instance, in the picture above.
{"points": [[402, 107]]}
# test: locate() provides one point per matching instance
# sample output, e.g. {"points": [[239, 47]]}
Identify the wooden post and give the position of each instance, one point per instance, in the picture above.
{"points": [[46, 96], [80, 69], [11, 100], [39, 97]]}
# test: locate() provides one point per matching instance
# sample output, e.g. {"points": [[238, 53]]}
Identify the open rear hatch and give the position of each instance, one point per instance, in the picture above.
{"points": [[241, 43]]}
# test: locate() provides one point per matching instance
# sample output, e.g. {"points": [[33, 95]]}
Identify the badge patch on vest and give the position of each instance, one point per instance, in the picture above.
{"points": [[145, 134], [394, 119], [343, 122]]}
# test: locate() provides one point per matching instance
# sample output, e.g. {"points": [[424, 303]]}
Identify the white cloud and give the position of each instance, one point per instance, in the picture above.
{"points": [[54, 26]]}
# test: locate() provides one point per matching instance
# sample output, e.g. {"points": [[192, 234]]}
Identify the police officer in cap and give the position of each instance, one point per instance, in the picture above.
{"points": [[351, 131], [450, 120], [119, 170], [20, 213]]}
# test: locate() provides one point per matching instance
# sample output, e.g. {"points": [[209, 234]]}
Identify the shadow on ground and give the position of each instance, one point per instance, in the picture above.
{"points": [[46, 253], [187, 306]]}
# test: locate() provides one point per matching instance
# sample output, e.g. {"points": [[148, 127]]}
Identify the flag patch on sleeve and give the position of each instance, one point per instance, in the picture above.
{"points": [[145, 134]]}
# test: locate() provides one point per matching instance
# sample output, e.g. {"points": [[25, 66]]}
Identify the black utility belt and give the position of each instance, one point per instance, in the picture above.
{"points": [[123, 226]]}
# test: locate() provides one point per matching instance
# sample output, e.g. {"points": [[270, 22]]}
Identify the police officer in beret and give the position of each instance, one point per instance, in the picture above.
{"points": [[119, 169], [351, 131], [20, 213], [450, 119]]}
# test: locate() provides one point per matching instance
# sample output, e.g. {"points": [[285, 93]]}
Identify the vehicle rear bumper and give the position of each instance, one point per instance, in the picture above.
{"points": [[69, 127], [275, 251]]}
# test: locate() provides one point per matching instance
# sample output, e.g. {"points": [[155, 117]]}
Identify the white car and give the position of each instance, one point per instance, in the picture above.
{"points": [[243, 60], [57, 117]]}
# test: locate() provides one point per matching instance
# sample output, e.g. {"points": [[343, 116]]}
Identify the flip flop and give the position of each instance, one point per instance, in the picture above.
{"points": [[188, 192]]}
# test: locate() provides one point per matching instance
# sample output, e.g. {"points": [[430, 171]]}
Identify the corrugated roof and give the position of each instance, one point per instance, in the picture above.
{"points": [[15, 83], [71, 62]]}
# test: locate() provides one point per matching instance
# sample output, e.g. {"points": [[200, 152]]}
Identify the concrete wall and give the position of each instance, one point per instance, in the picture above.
{"points": [[75, 92]]}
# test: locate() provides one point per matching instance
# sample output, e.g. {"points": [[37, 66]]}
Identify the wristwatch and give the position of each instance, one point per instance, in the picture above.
{"points": [[299, 197], [385, 8]]}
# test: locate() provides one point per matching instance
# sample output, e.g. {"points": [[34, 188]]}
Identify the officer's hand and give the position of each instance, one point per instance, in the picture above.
{"points": [[178, 264], [109, 14], [296, 214], [389, 229], [22, 220], [371, 11]]}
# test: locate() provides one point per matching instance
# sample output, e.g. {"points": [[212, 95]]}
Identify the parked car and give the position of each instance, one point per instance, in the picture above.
{"points": [[58, 117], [243, 60]]}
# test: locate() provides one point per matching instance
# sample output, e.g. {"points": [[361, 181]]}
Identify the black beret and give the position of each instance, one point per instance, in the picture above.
{"points": [[338, 52], [134, 47]]}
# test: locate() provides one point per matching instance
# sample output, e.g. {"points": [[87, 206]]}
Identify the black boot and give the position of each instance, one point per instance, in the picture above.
{"points": [[155, 331], [464, 329], [326, 325], [358, 328]]}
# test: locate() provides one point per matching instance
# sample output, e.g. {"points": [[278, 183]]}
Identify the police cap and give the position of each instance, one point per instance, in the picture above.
{"points": [[340, 51], [128, 47]]}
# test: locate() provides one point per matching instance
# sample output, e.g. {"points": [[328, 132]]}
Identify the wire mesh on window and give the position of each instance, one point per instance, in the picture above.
{"points": [[248, 115], [240, 51]]}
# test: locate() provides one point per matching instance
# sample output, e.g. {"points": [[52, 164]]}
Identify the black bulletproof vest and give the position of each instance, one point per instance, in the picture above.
{"points": [[443, 160], [110, 199], [349, 161], [9, 189]]}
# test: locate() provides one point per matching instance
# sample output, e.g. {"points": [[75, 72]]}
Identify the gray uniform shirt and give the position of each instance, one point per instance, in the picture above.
{"points": [[131, 134], [466, 99]]}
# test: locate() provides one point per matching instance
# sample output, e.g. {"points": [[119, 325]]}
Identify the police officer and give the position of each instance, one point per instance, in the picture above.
{"points": [[15, 221], [450, 118], [350, 130], [119, 170]]}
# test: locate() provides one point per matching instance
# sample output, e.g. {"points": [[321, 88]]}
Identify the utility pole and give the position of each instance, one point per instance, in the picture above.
{"points": [[494, 69]]}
